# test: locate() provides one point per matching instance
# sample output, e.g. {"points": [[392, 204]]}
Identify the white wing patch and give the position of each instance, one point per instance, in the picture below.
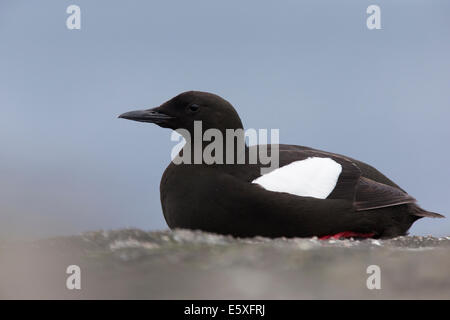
{"points": [[312, 177]]}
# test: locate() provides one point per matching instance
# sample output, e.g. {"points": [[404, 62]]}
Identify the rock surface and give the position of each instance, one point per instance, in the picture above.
{"points": [[183, 264]]}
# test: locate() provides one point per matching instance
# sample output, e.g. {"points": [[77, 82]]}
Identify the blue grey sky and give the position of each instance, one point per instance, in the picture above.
{"points": [[310, 68]]}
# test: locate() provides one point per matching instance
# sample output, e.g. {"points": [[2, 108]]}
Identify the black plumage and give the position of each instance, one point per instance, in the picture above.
{"points": [[221, 198]]}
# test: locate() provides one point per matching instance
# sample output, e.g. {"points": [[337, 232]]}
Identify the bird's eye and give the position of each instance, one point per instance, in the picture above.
{"points": [[194, 107]]}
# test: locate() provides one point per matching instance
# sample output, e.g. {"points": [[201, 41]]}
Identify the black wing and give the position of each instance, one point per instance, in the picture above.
{"points": [[374, 195], [364, 193]]}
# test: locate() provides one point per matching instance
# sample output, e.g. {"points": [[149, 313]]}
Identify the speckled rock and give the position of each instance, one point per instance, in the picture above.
{"points": [[136, 264]]}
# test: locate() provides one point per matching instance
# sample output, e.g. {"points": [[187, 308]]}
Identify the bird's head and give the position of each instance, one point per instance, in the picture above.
{"points": [[183, 110]]}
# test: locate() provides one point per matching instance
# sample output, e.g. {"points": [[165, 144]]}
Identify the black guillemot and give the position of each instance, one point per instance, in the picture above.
{"points": [[310, 193]]}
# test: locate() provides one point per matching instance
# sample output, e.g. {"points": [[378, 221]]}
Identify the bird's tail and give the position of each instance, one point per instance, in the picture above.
{"points": [[424, 213]]}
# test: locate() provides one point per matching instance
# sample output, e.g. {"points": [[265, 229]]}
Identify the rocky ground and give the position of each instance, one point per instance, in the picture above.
{"points": [[182, 264]]}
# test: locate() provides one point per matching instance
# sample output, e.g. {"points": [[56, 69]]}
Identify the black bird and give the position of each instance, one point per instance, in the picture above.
{"points": [[312, 193]]}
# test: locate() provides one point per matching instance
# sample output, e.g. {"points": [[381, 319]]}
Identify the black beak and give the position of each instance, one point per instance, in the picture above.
{"points": [[150, 115]]}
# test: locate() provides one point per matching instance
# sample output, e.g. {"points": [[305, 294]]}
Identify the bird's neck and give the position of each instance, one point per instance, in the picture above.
{"points": [[214, 146], [214, 151]]}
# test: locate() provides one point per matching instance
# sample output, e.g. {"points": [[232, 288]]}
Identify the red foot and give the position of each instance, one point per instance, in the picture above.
{"points": [[348, 234]]}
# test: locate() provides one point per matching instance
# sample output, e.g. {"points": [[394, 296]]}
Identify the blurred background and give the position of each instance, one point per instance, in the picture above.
{"points": [[310, 68]]}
